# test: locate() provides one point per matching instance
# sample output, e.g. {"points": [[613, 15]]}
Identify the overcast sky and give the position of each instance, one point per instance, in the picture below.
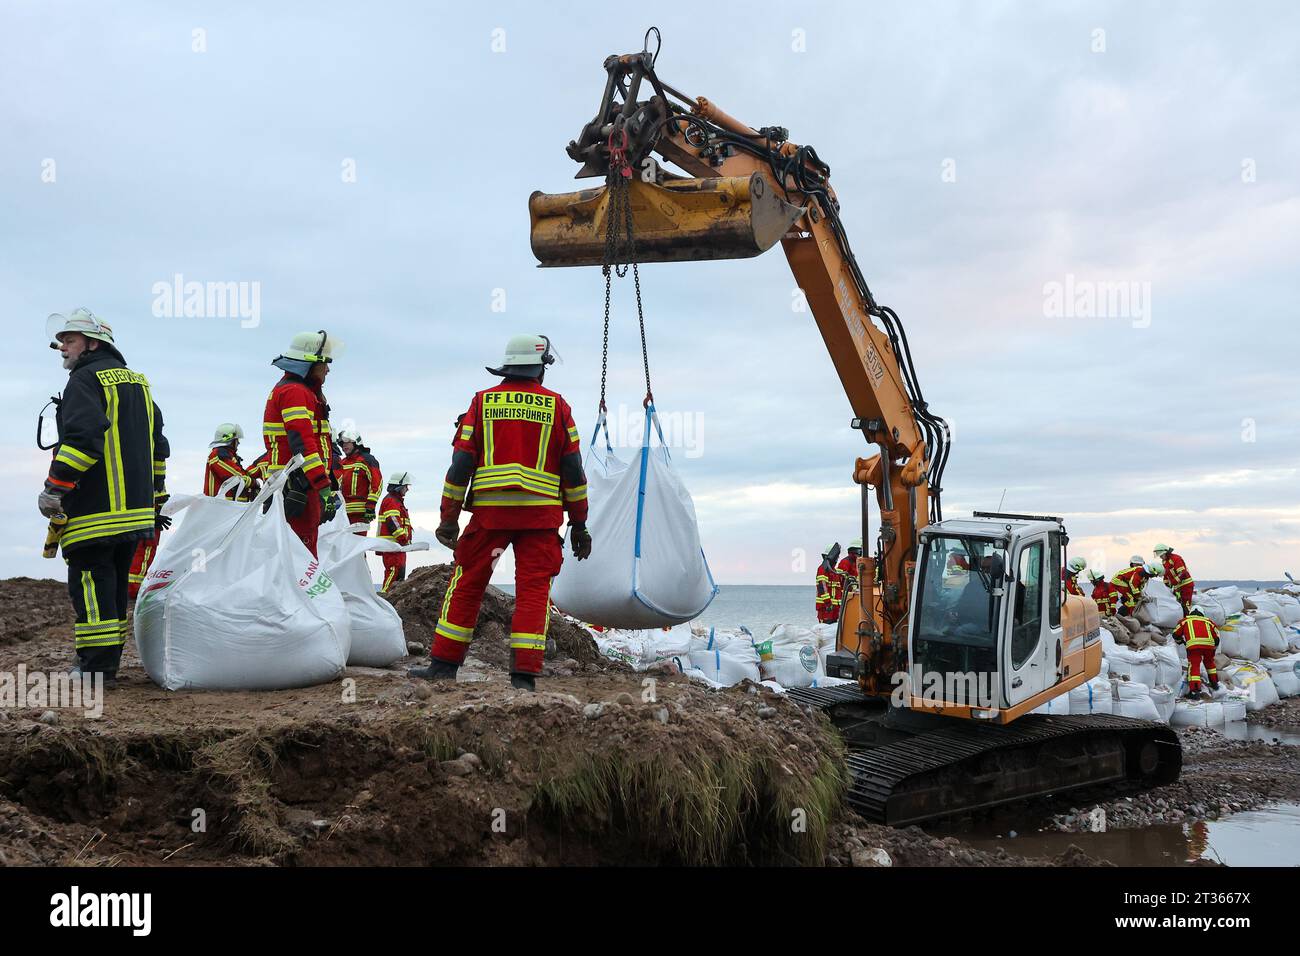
{"points": [[368, 167]]}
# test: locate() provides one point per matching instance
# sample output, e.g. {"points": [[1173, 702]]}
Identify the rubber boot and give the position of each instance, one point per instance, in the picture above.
{"points": [[437, 670], [523, 681]]}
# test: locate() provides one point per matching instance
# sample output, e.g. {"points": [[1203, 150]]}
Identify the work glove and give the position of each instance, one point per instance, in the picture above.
{"points": [[161, 523], [50, 503], [448, 534], [328, 506], [368, 517], [581, 540]]}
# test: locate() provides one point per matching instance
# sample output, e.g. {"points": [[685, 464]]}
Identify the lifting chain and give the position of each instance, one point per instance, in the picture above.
{"points": [[619, 214]]}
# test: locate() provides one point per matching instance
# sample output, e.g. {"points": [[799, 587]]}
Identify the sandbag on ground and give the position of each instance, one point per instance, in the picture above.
{"points": [[235, 601], [647, 568], [1251, 681], [1133, 699], [1285, 672], [1239, 638]]}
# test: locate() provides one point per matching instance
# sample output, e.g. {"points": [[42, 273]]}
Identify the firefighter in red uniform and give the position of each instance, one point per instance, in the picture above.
{"points": [[1104, 593], [1202, 639], [516, 450], [848, 568], [828, 586], [395, 525], [296, 422], [1129, 582], [361, 481], [1070, 576], [224, 463], [1176, 575]]}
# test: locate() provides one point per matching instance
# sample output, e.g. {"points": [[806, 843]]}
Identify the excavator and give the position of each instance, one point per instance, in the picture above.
{"points": [[958, 628]]}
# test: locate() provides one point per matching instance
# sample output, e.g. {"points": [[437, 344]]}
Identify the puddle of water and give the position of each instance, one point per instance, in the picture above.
{"points": [[1267, 837], [1243, 730]]}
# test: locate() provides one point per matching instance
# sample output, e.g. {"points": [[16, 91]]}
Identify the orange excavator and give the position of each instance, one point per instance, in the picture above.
{"points": [[959, 627]]}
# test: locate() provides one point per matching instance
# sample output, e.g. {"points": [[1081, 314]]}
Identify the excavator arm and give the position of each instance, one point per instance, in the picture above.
{"points": [[748, 189]]}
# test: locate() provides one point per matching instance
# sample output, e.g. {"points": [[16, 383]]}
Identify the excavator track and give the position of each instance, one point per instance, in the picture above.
{"points": [[955, 766]]}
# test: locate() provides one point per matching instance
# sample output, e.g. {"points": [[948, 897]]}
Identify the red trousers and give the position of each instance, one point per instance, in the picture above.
{"points": [[537, 560], [307, 525], [144, 552], [1196, 656], [1184, 595], [394, 568]]}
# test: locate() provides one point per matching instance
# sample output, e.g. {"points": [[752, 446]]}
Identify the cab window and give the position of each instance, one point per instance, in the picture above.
{"points": [[1027, 622]]}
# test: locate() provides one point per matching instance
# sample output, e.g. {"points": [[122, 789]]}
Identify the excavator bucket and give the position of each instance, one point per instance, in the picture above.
{"points": [[679, 221]]}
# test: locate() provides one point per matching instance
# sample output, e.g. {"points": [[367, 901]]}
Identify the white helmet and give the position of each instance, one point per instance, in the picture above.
{"points": [[1137, 561], [78, 320], [313, 347], [855, 543], [350, 434], [1077, 564], [526, 355], [1155, 571], [1094, 575], [226, 433], [1160, 549], [402, 478]]}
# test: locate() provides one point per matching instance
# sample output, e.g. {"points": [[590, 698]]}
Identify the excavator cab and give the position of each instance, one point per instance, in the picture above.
{"points": [[992, 634]]}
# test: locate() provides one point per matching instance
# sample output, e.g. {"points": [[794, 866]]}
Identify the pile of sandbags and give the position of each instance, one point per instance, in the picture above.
{"points": [[235, 601], [1208, 713], [1250, 680], [1138, 666], [647, 647], [1159, 606], [1239, 638], [1285, 672], [1290, 608]]}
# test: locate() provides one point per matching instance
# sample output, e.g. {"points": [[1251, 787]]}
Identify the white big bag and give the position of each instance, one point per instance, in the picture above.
{"points": [[647, 568], [235, 601]]}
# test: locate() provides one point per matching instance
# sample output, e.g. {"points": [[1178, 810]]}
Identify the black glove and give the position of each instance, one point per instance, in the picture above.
{"points": [[448, 533], [296, 490], [328, 505], [368, 517], [161, 523], [581, 540]]}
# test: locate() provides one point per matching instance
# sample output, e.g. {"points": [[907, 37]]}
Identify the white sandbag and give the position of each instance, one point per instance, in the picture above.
{"points": [[1234, 708], [1058, 706], [1160, 608], [695, 674], [1211, 607], [1197, 713], [235, 601], [1239, 638], [377, 636], [1252, 682], [1230, 597], [1262, 601], [1285, 672], [790, 656], [1092, 697], [726, 668], [1271, 637], [1164, 700], [1138, 666], [1169, 666], [1292, 634], [646, 567], [1105, 666], [1132, 699], [1290, 608]]}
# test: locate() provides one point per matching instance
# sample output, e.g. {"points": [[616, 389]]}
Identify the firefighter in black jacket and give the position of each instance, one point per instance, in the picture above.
{"points": [[107, 478]]}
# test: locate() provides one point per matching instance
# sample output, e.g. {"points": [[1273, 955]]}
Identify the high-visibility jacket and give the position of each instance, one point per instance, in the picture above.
{"points": [[1071, 583], [848, 569], [1176, 574], [259, 468], [1196, 630], [224, 464], [1107, 597], [394, 522], [361, 484], [828, 586], [516, 463], [296, 422], [110, 460], [1129, 581]]}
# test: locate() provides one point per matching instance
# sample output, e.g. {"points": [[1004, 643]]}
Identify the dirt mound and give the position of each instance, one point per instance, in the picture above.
{"points": [[418, 600], [32, 606]]}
